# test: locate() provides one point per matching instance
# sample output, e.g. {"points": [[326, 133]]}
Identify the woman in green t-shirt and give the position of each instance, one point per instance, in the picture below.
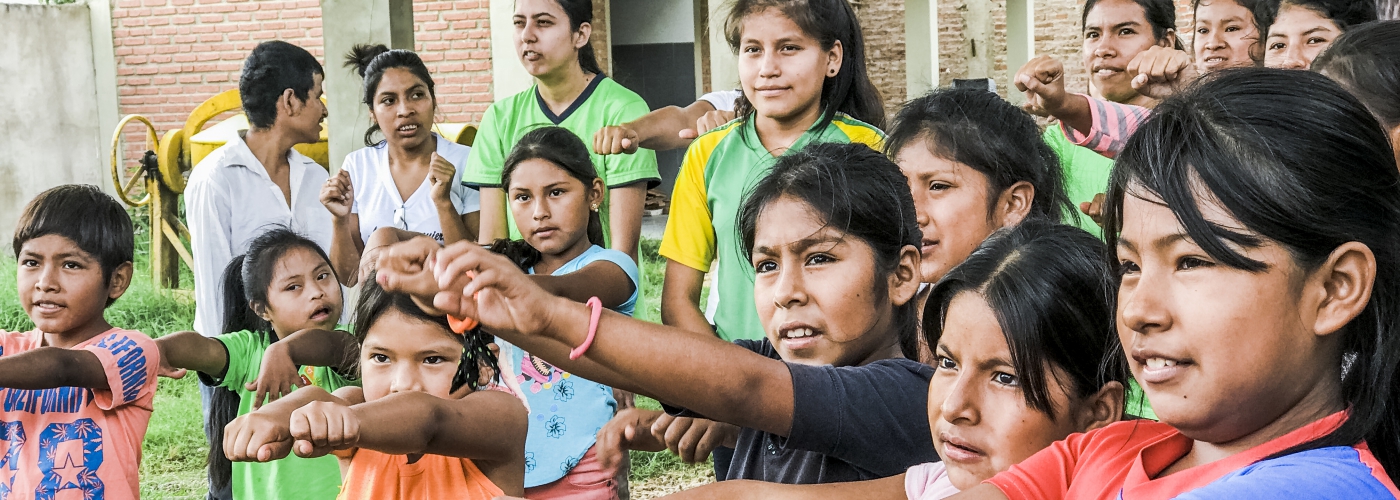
{"points": [[569, 91]]}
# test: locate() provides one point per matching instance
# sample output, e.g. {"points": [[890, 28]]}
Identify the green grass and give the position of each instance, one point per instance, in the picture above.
{"points": [[174, 451]]}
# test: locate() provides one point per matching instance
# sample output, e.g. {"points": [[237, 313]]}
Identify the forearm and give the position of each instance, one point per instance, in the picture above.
{"points": [[1075, 113], [493, 216], [316, 347], [605, 280], [50, 367], [486, 425], [625, 217], [283, 408], [680, 299], [660, 130], [192, 351], [454, 229], [345, 250]]}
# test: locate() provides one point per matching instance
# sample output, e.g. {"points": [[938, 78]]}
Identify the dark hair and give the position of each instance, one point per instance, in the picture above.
{"points": [[370, 62], [88, 217], [375, 302], [272, 68], [565, 150], [1364, 61], [1161, 15], [1262, 10], [981, 130], [1346, 14], [828, 21], [1297, 160], [855, 190], [579, 12], [246, 281], [1053, 296]]}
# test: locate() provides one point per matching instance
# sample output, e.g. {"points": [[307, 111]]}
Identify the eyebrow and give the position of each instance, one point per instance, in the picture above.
{"points": [[58, 256], [415, 86], [803, 244], [1305, 33], [1162, 242]]}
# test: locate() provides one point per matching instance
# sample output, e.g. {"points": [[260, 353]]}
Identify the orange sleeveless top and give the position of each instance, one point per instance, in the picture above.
{"points": [[378, 476]]}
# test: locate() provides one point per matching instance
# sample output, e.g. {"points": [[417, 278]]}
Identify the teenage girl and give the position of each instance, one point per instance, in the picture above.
{"points": [[554, 198], [1288, 391], [418, 429], [1018, 365], [282, 303], [1364, 62], [1229, 33], [570, 91], [824, 397], [410, 180], [1303, 28], [803, 73]]}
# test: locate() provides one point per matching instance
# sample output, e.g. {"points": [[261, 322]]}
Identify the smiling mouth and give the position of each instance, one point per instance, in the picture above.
{"points": [[1106, 72], [1160, 370], [45, 306]]}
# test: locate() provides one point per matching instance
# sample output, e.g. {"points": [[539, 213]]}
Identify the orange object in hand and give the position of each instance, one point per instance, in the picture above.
{"points": [[463, 325]]}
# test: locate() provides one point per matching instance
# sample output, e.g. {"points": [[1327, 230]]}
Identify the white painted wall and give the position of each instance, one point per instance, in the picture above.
{"points": [[724, 63], [641, 22], [508, 77], [51, 129], [347, 23]]}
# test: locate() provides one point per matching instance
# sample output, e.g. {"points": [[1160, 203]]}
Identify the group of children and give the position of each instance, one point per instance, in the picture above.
{"points": [[1184, 288]]}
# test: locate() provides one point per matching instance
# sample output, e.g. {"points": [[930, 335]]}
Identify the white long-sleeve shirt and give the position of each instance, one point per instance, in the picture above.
{"points": [[230, 199]]}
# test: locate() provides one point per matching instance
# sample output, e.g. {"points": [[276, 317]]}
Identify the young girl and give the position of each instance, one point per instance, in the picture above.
{"points": [[410, 180], [554, 199], [1228, 33], [1282, 184], [1018, 366], [1303, 28], [1364, 62], [570, 91], [416, 430], [282, 305], [825, 397], [802, 68]]}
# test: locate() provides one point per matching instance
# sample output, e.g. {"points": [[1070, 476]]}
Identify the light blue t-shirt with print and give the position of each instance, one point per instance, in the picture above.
{"points": [[566, 411]]}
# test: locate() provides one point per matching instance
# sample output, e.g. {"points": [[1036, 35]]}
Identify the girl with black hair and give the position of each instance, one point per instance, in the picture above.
{"points": [[1021, 329], [1229, 33], [282, 303], [824, 397], [419, 428], [1279, 184], [1303, 28], [569, 91], [409, 181], [1364, 62]]}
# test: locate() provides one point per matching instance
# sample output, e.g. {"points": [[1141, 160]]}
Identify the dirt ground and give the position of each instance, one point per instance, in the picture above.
{"points": [[672, 481]]}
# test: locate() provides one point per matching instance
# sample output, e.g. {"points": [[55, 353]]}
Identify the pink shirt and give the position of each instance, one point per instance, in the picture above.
{"points": [[77, 441], [1113, 123], [928, 481]]}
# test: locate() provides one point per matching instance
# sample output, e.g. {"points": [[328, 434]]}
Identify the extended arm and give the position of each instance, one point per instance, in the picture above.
{"points": [[493, 216], [50, 367], [316, 347], [680, 299], [484, 425], [192, 351], [604, 279], [625, 206]]}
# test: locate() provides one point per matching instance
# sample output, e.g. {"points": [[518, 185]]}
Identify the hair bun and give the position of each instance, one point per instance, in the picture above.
{"points": [[360, 56]]}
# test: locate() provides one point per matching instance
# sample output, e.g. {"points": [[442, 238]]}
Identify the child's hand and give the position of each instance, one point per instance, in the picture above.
{"points": [[168, 371], [322, 427], [257, 437], [693, 439], [441, 175], [407, 267], [1043, 81], [707, 122], [628, 430], [478, 283], [278, 376], [1159, 72], [1094, 209], [614, 140], [338, 194]]}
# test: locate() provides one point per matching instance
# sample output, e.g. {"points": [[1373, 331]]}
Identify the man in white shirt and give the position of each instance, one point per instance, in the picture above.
{"points": [[256, 182]]}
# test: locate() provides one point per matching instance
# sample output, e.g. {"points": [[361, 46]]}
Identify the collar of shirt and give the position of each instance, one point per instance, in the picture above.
{"points": [[240, 155]]}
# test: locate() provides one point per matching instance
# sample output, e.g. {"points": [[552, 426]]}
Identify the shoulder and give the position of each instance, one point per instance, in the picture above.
{"points": [[614, 92], [453, 152], [1318, 473], [361, 158], [314, 171], [858, 131], [16, 342], [705, 145]]}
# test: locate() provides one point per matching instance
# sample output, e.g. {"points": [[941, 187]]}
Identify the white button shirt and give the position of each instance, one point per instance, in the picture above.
{"points": [[377, 198], [230, 199]]}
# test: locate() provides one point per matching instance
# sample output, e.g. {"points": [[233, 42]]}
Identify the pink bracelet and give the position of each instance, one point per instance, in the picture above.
{"points": [[597, 307]]}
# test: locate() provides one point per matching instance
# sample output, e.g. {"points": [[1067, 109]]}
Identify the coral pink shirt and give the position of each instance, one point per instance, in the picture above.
{"points": [[74, 442]]}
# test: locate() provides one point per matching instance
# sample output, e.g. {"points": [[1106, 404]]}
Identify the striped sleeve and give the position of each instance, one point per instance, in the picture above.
{"points": [[1113, 123]]}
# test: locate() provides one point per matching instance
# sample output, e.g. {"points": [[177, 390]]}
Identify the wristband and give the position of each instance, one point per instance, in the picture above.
{"points": [[597, 312]]}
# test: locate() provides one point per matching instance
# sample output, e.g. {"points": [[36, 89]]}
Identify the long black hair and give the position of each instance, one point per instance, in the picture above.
{"points": [[828, 21], [579, 12], [1346, 14], [1161, 15], [565, 150], [246, 280], [1052, 293], [855, 190], [1297, 160], [375, 302], [370, 62], [981, 130], [1365, 62]]}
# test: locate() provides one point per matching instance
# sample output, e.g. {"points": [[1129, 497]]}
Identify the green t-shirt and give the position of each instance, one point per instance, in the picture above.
{"points": [[1086, 174], [292, 477], [719, 168], [603, 103]]}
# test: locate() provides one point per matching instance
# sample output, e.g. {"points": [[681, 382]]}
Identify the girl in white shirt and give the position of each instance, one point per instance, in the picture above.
{"points": [[407, 183]]}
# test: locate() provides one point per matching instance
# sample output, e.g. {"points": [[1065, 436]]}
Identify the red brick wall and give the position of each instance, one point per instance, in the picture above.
{"points": [[174, 54]]}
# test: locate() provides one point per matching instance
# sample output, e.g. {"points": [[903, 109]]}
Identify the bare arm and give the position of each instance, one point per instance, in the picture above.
{"points": [[442, 178], [493, 216], [50, 367], [604, 279], [889, 488], [316, 347], [680, 299], [192, 351], [625, 206], [660, 130], [484, 425], [346, 246]]}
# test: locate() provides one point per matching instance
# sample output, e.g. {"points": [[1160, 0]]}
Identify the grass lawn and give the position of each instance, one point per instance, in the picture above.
{"points": [[174, 450]]}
